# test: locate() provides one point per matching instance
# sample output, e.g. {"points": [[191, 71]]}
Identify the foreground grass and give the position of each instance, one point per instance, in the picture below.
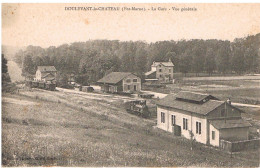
{"points": [[93, 134]]}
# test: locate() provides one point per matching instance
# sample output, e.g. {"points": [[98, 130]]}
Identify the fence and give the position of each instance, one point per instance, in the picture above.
{"points": [[239, 145]]}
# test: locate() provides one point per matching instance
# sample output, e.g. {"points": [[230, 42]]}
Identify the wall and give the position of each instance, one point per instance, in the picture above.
{"points": [[38, 75], [131, 83], [214, 142], [179, 114], [239, 145], [237, 134], [165, 71], [231, 112]]}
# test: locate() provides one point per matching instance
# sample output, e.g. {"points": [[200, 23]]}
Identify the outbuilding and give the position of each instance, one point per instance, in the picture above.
{"points": [[120, 82]]}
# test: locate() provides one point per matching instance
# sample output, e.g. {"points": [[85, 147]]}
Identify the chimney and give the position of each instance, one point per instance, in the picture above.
{"points": [[170, 60]]}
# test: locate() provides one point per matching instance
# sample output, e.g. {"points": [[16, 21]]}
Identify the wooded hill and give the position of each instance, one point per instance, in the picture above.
{"points": [[91, 60]]}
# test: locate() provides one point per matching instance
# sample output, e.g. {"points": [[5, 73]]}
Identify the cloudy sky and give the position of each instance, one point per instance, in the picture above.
{"points": [[51, 25]]}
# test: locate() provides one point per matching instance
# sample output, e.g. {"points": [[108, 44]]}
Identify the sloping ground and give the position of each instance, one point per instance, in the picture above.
{"points": [[73, 130]]}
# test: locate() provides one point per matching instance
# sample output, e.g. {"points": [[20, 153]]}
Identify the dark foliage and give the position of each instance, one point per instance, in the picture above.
{"points": [[91, 60]]}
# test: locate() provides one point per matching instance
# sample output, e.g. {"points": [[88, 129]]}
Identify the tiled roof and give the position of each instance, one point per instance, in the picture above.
{"points": [[114, 77], [47, 68], [199, 108], [168, 64], [236, 123]]}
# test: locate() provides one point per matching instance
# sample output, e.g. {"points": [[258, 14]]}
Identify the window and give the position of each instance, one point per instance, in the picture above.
{"points": [[185, 124], [170, 71], [198, 127], [134, 87], [160, 76], [162, 117], [173, 120], [213, 135], [223, 112], [160, 70], [128, 87], [134, 80]]}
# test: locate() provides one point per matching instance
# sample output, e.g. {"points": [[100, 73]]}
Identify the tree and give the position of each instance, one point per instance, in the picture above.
{"points": [[210, 63], [5, 75], [223, 57], [175, 59], [185, 62], [28, 66]]}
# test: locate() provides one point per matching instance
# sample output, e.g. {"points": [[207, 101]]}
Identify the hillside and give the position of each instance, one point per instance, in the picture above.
{"points": [[44, 128]]}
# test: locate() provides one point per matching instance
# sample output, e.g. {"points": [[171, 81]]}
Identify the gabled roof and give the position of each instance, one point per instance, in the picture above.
{"points": [[47, 69], [114, 77], [204, 108], [168, 64], [236, 123]]}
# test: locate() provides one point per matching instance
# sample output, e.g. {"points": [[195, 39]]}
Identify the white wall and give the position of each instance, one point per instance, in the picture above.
{"points": [[179, 115], [131, 83], [38, 75], [214, 142]]}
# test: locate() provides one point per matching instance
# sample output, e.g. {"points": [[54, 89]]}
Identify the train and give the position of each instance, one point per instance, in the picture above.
{"points": [[138, 107], [41, 85]]}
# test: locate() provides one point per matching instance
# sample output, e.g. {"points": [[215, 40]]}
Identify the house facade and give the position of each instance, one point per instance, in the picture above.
{"points": [[117, 82], [46, 74], [162, 71], [201, 117]]}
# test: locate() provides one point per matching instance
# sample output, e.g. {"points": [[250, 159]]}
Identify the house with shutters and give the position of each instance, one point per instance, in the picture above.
{"points": [[46, 74], [201, 117], [120, 82], [160, 71]]}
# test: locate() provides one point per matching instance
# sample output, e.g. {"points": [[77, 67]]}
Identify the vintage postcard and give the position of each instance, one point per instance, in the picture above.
{"points": [[130, 85]]}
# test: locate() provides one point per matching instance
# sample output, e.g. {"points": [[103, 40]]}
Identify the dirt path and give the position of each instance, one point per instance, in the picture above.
{"points": [[16, 101]]}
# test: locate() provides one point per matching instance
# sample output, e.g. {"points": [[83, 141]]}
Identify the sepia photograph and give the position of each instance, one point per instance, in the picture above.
{"points": [[130, 84]]}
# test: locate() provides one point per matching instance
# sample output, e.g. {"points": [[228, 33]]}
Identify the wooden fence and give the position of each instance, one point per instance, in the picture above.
{"points": [[239, 145]]}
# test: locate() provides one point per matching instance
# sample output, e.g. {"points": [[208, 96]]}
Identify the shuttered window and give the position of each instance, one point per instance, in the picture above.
{"points": [[198, 127], [173, 120], [162, 117], [213, 135], [185, 124]]}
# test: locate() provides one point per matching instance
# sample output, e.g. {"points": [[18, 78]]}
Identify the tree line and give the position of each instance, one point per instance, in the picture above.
{"points": [[91, 60]]}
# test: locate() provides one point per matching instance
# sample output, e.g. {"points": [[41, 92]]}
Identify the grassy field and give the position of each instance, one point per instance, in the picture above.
{"points": [[240, 89], [43, 128]]}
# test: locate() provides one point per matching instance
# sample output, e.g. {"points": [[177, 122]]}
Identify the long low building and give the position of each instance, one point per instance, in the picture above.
{"points": [[201, 117], [120, 82]]}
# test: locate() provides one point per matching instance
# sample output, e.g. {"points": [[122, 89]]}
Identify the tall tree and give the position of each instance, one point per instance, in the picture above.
{"points": [[210, 63]]}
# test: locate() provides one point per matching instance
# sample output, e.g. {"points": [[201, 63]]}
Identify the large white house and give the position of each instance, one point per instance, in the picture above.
{"points": [[46, 74], [201, 117], [160, 71]]}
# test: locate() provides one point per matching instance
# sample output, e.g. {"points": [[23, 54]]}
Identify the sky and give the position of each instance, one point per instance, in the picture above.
{"points": [[51, 25]]}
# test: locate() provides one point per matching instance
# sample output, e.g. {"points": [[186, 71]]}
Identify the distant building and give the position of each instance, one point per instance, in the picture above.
{"points": [[160, 71], [117, 82], [46, 74], [202, 117]]}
